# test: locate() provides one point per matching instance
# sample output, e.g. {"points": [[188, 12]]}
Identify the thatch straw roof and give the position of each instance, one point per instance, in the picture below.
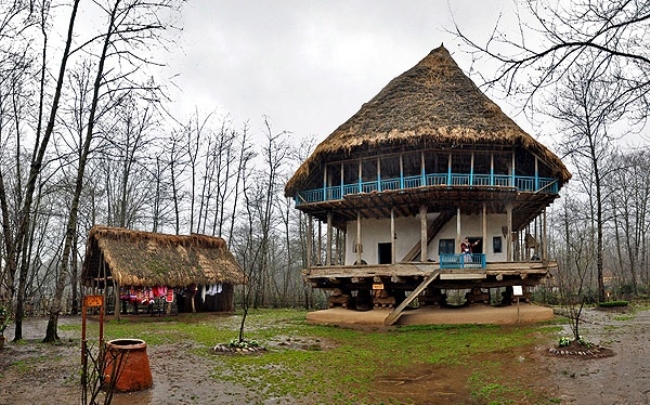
{"points": [[432, 105], [147, 259]]}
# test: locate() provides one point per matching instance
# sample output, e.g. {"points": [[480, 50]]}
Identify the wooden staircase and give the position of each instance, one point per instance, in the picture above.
{"points": [[432, 231], [397, 312]]}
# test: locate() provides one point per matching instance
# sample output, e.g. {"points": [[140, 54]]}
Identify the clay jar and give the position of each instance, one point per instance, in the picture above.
{"points": [[129, 356]]}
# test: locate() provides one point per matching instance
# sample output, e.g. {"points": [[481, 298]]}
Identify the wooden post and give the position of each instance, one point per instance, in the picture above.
{"points": [[544, 241], [328, 253], [484, 242], [458, 230], [319, 245], [509, 234], [345, 246], [337, 249], [310, 242], [423, 233], [359, 245], [392, 235]]}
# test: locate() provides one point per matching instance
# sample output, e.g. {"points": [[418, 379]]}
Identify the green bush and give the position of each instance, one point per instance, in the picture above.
{"points": [[610, 304]]}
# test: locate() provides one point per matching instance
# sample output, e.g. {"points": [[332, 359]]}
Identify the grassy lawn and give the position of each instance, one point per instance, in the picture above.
{"points": [[342, 365]]}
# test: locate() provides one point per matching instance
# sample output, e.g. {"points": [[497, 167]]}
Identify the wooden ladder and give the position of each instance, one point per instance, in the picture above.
{"points": [[397, 312]]}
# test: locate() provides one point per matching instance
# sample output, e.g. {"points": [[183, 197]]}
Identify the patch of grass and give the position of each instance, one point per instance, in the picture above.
{"points": [[624, 318], [345, 372]]}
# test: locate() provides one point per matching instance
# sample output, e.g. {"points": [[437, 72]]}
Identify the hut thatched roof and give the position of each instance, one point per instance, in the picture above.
{"points": [[434, 104], [134, 258]]}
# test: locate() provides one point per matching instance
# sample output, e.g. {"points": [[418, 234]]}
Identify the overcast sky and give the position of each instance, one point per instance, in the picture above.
{"points": [[310, 65]]}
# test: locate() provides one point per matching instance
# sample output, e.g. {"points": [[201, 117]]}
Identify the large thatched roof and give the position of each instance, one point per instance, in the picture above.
{"points": [[134, 258], [434, 104]]}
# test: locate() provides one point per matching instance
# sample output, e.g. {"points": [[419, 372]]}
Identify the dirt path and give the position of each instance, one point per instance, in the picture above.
{"points": [[36, 373], [623, 379]]}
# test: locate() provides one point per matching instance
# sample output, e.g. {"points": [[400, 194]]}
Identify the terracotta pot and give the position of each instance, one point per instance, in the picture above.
{"points": [[128, 357]]}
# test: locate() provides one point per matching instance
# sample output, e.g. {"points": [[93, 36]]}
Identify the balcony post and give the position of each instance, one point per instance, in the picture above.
{"points": [[360, 177], [449, 170], [423, 171], [379, 175], [512, 174], [536, 174], [492, 169], [342, 179], [325, 196], [471, 170], [401, 171]]}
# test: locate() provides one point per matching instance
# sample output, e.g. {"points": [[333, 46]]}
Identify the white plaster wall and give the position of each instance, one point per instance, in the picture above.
{"points": [[375, 231], [407, 230]]}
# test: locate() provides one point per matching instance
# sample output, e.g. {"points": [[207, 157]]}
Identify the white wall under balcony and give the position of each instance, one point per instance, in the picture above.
{"points": [[407, 232]]}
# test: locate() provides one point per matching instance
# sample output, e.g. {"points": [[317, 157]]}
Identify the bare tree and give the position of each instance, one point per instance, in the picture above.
{"points": [[128, 24], [553, 38]]}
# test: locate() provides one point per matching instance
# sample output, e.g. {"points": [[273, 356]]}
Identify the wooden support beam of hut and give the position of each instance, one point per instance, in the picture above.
{"points": [[423, 234]]}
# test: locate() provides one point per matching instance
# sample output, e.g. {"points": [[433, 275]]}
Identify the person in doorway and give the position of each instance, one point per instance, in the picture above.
{"points": [[466, 248]]}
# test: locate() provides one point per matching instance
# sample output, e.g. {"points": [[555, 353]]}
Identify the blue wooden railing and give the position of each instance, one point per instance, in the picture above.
{"points": [[462, 261], [521, 183]]}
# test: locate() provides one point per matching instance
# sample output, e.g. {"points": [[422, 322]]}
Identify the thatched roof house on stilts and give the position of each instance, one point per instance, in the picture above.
{"points": [[145, 272], [432, 190]]}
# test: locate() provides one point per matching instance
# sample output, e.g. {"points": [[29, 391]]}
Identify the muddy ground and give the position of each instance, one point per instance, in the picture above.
{"points": [[183, 378]]}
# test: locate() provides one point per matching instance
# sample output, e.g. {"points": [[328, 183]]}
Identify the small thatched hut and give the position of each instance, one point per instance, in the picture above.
{"points": [[194, 272]]}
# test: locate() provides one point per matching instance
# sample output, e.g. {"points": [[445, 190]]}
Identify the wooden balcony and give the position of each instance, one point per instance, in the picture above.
{"points": [[532, 184]]}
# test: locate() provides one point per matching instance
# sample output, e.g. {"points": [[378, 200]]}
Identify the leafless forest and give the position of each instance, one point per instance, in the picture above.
{"points": [[85, 139]]}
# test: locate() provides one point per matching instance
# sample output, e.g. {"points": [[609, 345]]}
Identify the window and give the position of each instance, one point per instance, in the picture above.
{"points": [[496, 244], [446, 246]]}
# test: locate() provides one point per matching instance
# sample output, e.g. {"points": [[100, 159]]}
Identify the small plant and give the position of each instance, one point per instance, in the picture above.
{"points": [[564, 341], [243, 344], [585, 343]]}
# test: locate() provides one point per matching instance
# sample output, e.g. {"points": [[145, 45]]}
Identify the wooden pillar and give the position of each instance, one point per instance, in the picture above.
{"points": [[423, 233], [423, 170], [342, 180], [509, 234], [536, 175], [458, 230], [328, 252], [379, 174], [544, 254], [319, 245], [360, 173], [325, 184], [492, 169], [337, 249], [513, 182], [401, 171], [449, 182], [345, 246], [310, 242], [484, 226], [359, 245], [392, 235], [471, 170]]}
